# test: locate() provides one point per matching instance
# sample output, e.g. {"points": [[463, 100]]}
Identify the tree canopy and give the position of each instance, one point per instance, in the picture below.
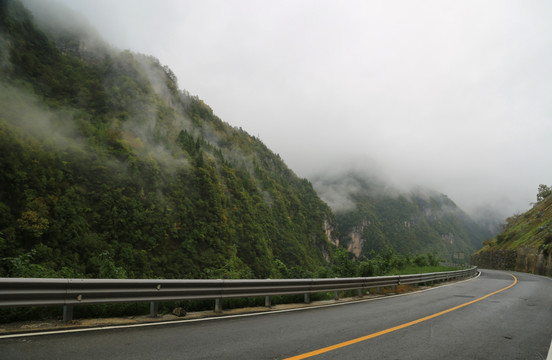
{"points": [[107, 169]]}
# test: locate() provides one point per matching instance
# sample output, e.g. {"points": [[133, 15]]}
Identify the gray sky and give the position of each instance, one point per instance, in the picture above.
{"points": [[451, 95]]}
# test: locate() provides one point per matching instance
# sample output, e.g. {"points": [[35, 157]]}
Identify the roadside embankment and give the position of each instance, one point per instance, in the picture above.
{"points": [[523, 259]]}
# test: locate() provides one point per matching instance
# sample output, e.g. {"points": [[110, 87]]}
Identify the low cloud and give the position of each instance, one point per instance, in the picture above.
{"points": [[25, 111], [450, 96]]}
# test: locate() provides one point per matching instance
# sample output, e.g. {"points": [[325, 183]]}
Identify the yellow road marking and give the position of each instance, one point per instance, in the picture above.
{"points": [[395, 328]]}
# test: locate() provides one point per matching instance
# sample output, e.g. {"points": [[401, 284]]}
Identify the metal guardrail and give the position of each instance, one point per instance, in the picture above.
{"points": [[69, 292]]}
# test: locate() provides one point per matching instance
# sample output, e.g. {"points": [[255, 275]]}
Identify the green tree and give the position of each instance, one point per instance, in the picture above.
{"points": [[543, 192], [420, 260], [343, 265]]}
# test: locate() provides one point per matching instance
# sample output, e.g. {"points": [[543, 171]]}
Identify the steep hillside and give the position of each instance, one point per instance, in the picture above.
{"points": [[108, 169], [372, 216], [525, 244]]}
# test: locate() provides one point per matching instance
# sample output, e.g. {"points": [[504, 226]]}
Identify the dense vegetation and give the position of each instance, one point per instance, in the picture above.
{"points": [[378, 217], [532, 229], [387, 262], [107, 169]]}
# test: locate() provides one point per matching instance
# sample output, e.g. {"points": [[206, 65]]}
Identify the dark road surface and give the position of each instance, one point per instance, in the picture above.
{"points": [[515, 323]]}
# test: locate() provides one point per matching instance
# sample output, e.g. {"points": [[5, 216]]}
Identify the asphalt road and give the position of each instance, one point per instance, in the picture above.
{"points": [[455, 321]]}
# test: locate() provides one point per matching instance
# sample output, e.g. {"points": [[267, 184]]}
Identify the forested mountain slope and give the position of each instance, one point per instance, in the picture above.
{"points": [[525, 244], [107, 169], [372, 216]]}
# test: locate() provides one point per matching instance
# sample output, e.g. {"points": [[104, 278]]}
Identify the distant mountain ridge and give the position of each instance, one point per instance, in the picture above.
{"points": [[372, 215]]}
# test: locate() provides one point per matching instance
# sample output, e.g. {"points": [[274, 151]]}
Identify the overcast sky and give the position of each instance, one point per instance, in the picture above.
{"points": [[451, 95]]}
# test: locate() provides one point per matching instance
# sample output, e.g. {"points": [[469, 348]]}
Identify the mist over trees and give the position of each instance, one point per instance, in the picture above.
{"points": [[373, 216], [109, 170]]}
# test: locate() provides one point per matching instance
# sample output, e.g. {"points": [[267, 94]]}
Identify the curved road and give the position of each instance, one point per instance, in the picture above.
{"points": [[499, 315]]}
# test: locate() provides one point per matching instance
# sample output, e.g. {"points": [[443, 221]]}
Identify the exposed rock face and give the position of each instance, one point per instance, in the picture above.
{"points": [[356, 243], [524, 259], [448, 238], [533, 261], [328, 228], [355, 246]]}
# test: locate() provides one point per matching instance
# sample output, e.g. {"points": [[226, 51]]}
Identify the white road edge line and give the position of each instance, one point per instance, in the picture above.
{"points": [[549, 357], [114, 327]]}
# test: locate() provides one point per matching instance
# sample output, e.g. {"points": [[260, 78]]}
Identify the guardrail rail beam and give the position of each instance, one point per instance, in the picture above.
{"points": [[68, 292]]}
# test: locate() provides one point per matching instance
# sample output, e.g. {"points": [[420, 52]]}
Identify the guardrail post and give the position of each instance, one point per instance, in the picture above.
{"points": [[336, 295], [67, 313], [267, 301], [218, 305], [360, 292], [154, 308], [307, 298]]}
